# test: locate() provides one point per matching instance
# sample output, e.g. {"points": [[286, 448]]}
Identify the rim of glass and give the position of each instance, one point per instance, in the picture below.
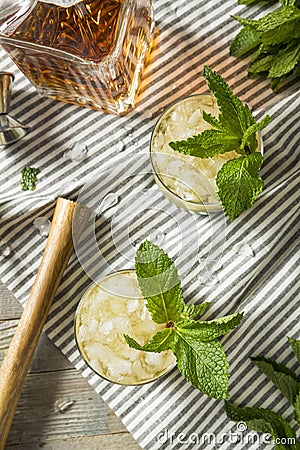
{"points": [[83, 355], [157, 123], [120, 33]]}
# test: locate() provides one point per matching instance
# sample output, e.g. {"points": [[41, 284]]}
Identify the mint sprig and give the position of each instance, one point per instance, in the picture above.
{"points": [[275, 41], [267, 421], [239, 183], [199, 353], [235, 129]]}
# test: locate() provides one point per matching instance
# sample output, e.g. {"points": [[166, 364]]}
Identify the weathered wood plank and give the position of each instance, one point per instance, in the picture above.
{"points": [[47, 357], [38, 418], [119, 441], [10, 308]]}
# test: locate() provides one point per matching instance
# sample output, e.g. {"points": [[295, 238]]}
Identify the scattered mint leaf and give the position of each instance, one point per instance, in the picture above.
{"points": [[245, 41], [265, 421], [286, 59], [29, 178], [276, 83], [206, 331], [159, 282], [204, 364], [281, 376], [278, 34], [295, 344], [192, 311], [238, 183], [286, 14], [261, 66], [163, 340]]}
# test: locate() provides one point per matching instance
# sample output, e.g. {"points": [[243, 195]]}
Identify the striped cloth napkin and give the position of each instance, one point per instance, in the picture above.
{"points": [[250, 264]]}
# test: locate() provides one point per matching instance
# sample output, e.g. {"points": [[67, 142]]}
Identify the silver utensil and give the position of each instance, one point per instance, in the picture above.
{"points": [[11, 130]]}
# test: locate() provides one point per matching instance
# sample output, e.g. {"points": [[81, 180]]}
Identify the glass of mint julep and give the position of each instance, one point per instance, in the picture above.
{"points": [[206, 151], [188, 181]]}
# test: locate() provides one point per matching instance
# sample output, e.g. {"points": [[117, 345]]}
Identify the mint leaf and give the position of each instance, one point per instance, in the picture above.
{"points": [[207, 144], [239, 184], [192, 311], [283, 33], [159, 282], [297, 408], [204, 364], [206, 331], [281, 376], [28, 178], [286, 60], [252, 130], [163, 340], [271, 21], [295, 344], [245, 41], [276, 83], [265, 421], [234, 115], [261, 66], [213, 121]]}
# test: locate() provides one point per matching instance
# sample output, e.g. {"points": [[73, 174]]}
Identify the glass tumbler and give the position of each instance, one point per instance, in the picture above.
{"points": [[188, 181], [87, 52]]}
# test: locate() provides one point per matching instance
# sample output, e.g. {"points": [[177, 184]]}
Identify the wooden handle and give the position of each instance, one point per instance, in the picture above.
{"points": [[18, 357]]}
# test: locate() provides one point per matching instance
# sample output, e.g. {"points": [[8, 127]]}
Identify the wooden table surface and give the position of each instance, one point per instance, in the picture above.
{"points": [[52, 383]]}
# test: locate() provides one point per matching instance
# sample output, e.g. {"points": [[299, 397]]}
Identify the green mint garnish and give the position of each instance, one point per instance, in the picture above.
{"points": [[238, 182], [28, 178], [275, 40], [267, 421], [199, 353]]}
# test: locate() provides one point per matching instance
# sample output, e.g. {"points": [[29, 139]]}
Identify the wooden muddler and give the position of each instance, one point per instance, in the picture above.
{"points": [[18, 357]]}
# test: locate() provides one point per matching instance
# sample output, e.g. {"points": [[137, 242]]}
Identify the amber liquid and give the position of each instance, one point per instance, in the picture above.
{"points": [[111, 38], [86, 29]]}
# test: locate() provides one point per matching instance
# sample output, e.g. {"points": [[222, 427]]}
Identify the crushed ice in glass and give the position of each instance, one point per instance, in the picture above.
{"points": [[77, 152], [42, 224]]}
